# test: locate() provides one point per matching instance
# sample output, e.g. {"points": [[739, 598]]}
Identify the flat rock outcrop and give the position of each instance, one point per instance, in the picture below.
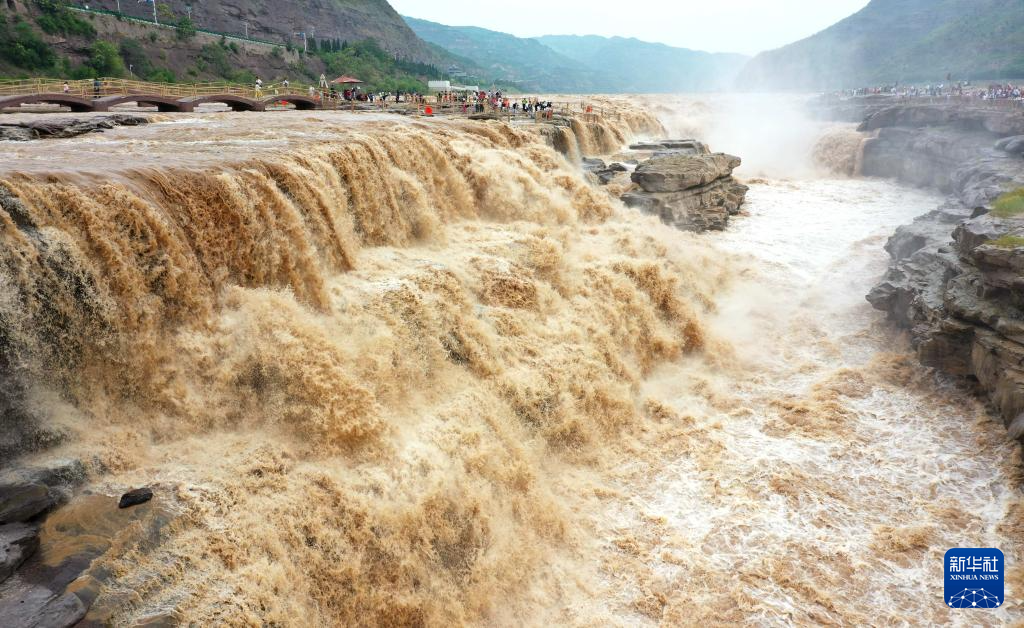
{"points": [[688, 187], [957, 274], [690, 147], [958, 116], [66, 127], [24, 501]]}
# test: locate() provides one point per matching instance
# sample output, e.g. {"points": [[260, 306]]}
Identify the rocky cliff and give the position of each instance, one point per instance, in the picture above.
{"points": [[957, 275]]}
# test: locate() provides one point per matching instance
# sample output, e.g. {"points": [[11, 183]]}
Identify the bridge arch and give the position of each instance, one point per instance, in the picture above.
{"points": [[237, 103], [162, 103], [75, 103], [301, 102]]}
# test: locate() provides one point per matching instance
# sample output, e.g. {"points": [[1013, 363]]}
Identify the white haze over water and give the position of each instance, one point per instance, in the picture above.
{"points": [[770, 132]]}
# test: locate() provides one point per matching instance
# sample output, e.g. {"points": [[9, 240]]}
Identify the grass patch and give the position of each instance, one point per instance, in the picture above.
{"points": [[1009, 205], [1008, 242]]}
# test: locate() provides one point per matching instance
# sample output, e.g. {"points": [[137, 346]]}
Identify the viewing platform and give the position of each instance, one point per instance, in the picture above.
{"points": [[104, 94]]}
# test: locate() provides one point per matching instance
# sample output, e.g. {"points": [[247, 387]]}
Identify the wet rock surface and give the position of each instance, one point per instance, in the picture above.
{"points": [[45, 610], [66, 127], [690, 147], [24, 501], [60, 583], [18, 541], [687, 186], [45, 548], [1013, 145], [135, 498], [957, 275]]}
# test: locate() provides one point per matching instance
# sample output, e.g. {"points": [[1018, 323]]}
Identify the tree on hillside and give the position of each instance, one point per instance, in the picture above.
{"points": [[20, 46], [165, 12], [186, 29], [105, 60]]}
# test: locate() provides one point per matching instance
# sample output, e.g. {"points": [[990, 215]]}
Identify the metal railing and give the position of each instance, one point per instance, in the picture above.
{"points": [[128, 87]]}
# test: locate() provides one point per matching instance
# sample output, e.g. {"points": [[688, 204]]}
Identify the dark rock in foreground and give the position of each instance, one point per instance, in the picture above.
{"points": [[691, 191], [66, 127], [22, 502], [42, 609], [135, 497], [18, 541]]}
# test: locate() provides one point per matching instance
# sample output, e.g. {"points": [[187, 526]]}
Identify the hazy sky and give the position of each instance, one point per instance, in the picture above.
{"points": [[747, 26]]}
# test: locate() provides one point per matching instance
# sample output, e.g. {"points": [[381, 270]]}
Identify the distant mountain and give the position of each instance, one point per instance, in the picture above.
{"points": [[642, 67], [526, 62], [901, 40], [585, 64]]}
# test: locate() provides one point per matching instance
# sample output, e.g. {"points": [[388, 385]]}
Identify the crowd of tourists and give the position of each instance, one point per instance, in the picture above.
{"points": [[468, 101], [958, 89], [481, 101]]}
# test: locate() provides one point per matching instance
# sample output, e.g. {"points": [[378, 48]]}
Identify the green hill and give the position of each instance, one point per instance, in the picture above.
{"points": [[364, 38], [635, 66], [525, 61], [901, 40], [585, 64]]}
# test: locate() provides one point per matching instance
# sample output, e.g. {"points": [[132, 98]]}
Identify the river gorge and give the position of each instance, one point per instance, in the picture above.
{"points": [[391, 370]]}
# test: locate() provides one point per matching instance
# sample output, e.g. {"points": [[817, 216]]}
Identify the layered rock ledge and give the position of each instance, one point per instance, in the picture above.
{"points": [[687, 186], [66, 127], [957, 275]]}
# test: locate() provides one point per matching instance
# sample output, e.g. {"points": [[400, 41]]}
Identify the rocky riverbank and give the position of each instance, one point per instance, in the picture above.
{"points": [[957, 275]]}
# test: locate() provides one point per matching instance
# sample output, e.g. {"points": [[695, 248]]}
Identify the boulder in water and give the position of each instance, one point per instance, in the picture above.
{"points": [[135, 497], [608, 174], [1013, 145], [676, 172], [693, 192]]}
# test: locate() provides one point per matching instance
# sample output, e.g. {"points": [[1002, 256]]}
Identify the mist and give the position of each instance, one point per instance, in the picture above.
{"points": [[774, 134]]}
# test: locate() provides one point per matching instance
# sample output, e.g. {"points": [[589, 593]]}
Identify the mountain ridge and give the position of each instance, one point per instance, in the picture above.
{"points": [[649, 67], [587, 64], [900, 40]]}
